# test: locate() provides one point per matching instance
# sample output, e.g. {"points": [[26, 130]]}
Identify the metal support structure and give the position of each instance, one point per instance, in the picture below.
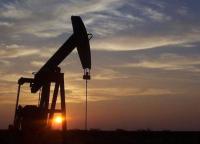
{"points": [[17, 103], [44, 103], [53, 104]]}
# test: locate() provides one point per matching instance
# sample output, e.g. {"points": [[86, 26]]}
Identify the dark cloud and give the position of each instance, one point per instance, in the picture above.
{"points": [[39, 22]]}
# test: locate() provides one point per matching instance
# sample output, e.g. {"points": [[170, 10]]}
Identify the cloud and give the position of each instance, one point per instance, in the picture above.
{"points": [[183, 11], [149, 12], [13, 51], [155, 15], [5, 62], [108, 74], [14, 11], [143, 42], [6, 24], [9, 77], [140, 72], [169, 62], [131, 24], [48, 18], [37, 63]]}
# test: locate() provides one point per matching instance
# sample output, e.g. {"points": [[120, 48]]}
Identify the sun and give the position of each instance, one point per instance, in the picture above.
{"points": [[58, 119]]}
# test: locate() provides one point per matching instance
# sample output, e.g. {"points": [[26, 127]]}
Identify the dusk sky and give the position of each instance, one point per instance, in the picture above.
{"points": [[145, 60]]}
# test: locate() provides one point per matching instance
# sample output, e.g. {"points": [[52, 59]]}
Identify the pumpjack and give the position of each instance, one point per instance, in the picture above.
{"points": [[35, 117]]}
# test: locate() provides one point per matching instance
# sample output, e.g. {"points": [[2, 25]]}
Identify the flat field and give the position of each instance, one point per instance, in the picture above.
{"points": [[102, 137]]}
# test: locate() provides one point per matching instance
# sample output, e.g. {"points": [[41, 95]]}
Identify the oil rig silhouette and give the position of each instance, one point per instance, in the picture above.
{"points": [[33, 118]]}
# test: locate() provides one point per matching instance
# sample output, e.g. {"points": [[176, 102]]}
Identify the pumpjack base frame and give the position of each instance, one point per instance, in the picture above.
{"points": [[47, 114]]}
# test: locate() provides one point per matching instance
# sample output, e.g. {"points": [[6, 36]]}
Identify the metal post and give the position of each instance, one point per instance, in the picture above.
{"points": [[63, 106], [44, 102], [86, 104], [17, 102]]}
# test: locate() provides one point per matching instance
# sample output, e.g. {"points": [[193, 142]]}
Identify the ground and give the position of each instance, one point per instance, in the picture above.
{"points": [[104, 137]]}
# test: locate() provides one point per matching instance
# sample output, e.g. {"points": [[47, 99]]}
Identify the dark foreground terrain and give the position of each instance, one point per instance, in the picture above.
{"points": [[103, 137]]}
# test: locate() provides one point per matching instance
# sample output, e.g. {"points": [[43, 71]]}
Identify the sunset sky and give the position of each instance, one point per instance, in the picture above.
{"points": [[145, 60]]}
